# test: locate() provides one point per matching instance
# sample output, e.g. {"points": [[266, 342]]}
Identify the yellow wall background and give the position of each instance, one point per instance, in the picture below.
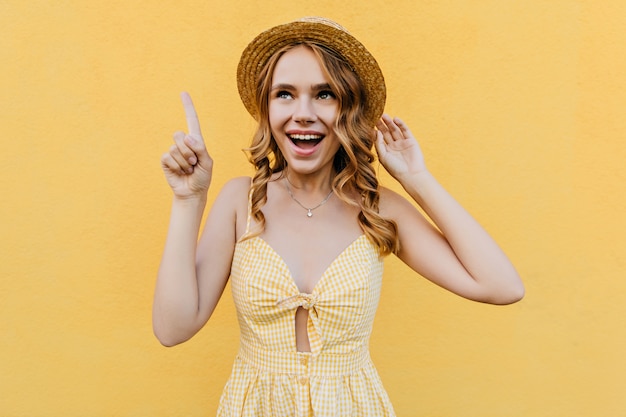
{"points": [[520, 109]]}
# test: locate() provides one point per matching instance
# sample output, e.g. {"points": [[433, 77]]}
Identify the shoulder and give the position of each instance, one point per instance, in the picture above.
{"points": [[235, 190], [392, 205], [234, 194], [406, 214], [232, 202], [232, 199], [236, 187]]}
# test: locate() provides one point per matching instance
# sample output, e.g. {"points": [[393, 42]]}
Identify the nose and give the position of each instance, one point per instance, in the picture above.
{"points": [[304, 111]]}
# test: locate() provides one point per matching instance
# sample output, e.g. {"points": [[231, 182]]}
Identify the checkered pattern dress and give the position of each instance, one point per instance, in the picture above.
{"points": [[337, 378]]}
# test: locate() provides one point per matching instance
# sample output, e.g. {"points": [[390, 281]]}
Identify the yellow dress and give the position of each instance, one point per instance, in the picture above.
{"points": [[337, 378]]}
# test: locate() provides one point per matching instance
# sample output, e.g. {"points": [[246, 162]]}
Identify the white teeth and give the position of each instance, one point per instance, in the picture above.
{"points": [[305, 137]]}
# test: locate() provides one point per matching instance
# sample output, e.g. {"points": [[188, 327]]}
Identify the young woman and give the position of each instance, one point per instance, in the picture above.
{"points": [[303, 240]]}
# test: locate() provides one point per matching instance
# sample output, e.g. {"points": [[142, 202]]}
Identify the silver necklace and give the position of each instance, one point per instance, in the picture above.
{"points": [[309, 210]]}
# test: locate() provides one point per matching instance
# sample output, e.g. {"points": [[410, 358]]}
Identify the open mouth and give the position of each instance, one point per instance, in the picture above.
{"points": [[305, 141]]}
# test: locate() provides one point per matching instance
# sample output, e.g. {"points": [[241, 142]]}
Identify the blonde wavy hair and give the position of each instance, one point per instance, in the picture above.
{"points": [[352, 163]]}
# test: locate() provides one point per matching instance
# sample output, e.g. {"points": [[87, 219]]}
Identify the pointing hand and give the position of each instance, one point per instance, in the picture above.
{"points": [[187, 165]]}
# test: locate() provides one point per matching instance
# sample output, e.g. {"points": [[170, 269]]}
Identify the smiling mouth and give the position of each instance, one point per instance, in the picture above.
{"points": [[305, 141]]}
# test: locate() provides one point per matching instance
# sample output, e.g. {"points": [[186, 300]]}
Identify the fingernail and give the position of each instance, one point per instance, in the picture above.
{"points": [[193, 160]]}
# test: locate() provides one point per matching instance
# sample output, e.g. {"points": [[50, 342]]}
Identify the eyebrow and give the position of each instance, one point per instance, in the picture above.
{"points": [[314, 87]]}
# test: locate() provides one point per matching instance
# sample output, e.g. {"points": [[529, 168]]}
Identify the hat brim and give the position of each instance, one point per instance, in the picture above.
{"points": [[321, 31]]}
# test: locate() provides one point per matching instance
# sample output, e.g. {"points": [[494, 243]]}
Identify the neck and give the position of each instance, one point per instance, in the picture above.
{"points": [[311, 184]]}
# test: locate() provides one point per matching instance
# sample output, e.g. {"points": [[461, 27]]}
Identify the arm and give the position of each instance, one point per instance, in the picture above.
{"points": [[457, 254], [189, 286]]}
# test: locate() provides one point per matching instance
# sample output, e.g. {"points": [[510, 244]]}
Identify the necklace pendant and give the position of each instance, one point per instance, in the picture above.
{"points": [[309, 211]]}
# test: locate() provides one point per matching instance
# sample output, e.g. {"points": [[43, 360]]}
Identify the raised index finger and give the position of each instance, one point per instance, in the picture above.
{"points": [[190, 113]]}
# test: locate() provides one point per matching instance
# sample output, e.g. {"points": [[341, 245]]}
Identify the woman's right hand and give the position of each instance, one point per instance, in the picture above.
{"points": [[187, 165]]}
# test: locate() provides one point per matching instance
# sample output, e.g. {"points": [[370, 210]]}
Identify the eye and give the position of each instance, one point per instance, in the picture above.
{"points": [[283, 94], [326, 95]]}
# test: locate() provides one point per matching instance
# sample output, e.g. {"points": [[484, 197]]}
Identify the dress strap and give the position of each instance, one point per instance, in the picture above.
{"points": [[249, 218], [248, 233]]}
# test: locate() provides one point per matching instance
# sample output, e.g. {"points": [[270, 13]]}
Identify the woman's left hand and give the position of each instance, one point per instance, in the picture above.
{"points": [[398, 149]]}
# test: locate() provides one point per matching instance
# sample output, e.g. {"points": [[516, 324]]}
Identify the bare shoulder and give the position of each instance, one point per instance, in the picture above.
{"points": [[231, 202], [393, 205], [236, 188], [234, 194], [233, 198]]}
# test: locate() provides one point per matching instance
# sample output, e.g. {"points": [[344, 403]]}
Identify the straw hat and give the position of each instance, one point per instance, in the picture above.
{"points": [[316, 30]]}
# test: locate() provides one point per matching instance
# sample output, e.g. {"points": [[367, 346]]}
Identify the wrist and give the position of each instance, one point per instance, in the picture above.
{"points": [[195, 200], [417, 182]]}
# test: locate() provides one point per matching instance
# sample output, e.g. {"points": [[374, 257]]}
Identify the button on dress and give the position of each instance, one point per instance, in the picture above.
{"points": [[337, 378]]}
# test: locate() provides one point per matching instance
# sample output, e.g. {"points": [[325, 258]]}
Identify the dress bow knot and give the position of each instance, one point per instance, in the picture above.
{"points": [[304, 300]]}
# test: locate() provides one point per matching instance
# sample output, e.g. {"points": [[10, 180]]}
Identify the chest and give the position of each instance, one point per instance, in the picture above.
{"points": [[309, 245], [260, 275], [309, 256]]}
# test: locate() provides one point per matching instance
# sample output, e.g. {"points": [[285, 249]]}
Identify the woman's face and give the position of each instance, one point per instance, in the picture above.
{"points": [[302, 112]]}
